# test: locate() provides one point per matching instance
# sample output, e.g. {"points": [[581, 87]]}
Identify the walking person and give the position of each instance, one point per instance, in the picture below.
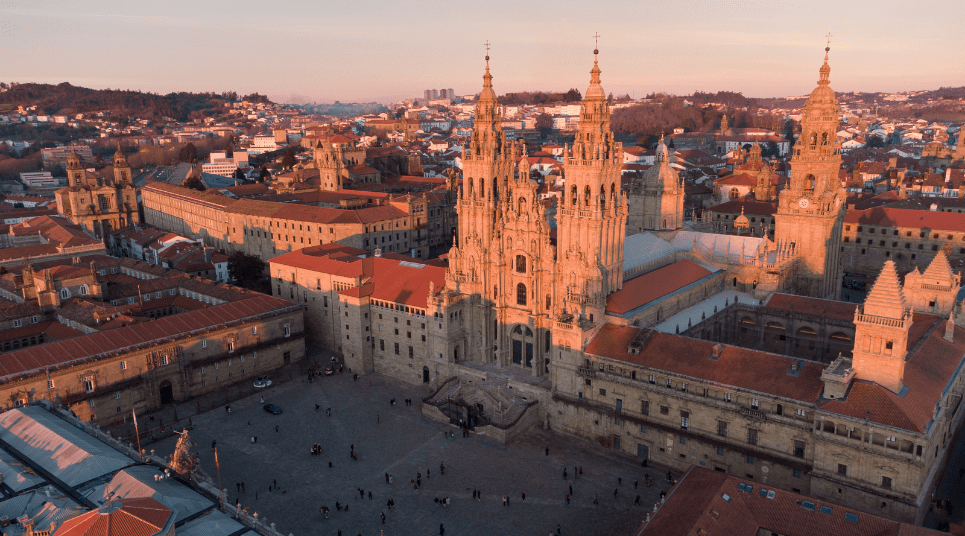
{"points": [[442, 530], [571, 489], [383, 518]]}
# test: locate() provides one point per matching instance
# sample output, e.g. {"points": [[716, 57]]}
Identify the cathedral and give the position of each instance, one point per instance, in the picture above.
{"points": [[99, 204], [521, 278]]}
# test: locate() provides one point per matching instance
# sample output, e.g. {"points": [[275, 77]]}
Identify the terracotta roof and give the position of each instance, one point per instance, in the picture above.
{"points": [[740, 367], [62, 352], [654, 285], [898, 217], [400, 282], [748, 205], [119, 517], [697, 504], [927, 373], [812, 306]]}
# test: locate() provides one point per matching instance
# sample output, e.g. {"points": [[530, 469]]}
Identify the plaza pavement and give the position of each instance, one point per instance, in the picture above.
{"points": [[403, 443]]}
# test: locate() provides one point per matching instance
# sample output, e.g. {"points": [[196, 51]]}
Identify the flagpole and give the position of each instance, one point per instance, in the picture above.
{"points": [[218, 466], [138, 434]]}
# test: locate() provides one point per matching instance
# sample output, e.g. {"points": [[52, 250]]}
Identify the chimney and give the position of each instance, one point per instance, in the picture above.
{"points": [[207, 254], [950, 328]]}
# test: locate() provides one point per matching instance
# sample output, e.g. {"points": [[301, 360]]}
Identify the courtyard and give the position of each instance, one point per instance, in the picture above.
{"points": [[397, 440]]}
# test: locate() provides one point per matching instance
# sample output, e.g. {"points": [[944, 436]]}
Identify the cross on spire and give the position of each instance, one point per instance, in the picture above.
{"points": [[596, 42], [487, 48], [829, 39]]}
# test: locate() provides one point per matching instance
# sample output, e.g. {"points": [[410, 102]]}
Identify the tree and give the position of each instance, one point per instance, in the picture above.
{"points": [[188, 153], [245, 270], [874, 142], [264, 175], [770, 149], [544, 123], [240, 175], [194, 183], [288, 161], [229, 148]]}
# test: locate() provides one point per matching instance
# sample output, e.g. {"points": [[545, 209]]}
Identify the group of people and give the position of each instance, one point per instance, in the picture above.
{"points": [[316, 449]]}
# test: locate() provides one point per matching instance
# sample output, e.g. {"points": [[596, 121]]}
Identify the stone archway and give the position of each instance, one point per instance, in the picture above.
{"points": [[166, 392]]}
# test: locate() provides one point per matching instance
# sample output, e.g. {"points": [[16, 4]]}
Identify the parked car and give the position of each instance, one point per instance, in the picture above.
{"points": [[262, 381], [273, 409], [329, 371]]}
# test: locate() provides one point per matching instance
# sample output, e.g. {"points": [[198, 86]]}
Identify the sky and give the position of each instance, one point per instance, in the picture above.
{"points": [[388, 50]]}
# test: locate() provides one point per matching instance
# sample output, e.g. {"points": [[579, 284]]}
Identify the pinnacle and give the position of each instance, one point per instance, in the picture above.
{"points": [[886, 298], [939, 270]]}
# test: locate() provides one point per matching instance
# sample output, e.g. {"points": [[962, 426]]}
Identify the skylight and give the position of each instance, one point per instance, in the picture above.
{"points": [[853, 518], [808, 505], [826, 510]]}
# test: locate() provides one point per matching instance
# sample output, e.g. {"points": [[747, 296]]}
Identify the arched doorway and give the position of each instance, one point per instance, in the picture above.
{"points": [[425, 374], [522, 338], [167, 392]]}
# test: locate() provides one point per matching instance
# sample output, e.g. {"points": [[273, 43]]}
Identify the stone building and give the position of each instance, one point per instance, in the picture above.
{"points": [[139, 339], [810, 211], [99, 204], [398, 224], [657, 203]]}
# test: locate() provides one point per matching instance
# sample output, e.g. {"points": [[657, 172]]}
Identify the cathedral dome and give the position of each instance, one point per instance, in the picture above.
{"points": [[741, 222], [823, 94], [595, 91]]}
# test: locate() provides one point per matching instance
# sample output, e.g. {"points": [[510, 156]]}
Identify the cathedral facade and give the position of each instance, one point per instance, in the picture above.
{"points": [[98, 204]]}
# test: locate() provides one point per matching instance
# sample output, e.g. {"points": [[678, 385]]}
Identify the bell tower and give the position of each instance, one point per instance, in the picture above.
{"points": [[811, 210], [592, 212], [75, 171], [122, 170]]}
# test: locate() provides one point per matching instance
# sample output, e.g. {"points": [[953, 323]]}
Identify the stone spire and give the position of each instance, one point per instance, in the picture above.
{"points": [[886, 298], [939, 272], [73, 161], [486, 106]]}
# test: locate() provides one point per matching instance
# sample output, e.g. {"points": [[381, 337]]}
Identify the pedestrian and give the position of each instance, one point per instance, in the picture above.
{"points": [[634, 483], [559, 529], [275, 482], [669, 476], [571, 489], [377, 419], [581, 469], [276, 428], [564, 473], [386, 478], [213, 444], [418, 481], [505, 500], [361, 493], [238, 486], [370, 495], [262, 399], [242, 487], [595, 500], [566, 500], [329, 465], [442, 530], [637, 500], [547, 451], [316, 408], [442, 468], [614, 493], [524, 496], [427, 472], [383, 518], [619, 480]]}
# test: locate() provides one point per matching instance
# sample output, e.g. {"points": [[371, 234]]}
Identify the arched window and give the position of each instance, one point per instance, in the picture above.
{"points": [[824, 138], [548, 302], [482, 189], [546, 349], [83, 290], [521, 264], [521, 294], [495, 291], [64, 293], [733, 193], [495, 189], [586, 196], [602, 197], [809, 182], [522, 204], [814, 139], [470, 187], [574, 195], [613, 192]]}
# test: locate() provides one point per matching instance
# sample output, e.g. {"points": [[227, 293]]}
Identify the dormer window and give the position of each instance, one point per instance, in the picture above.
{"points": [[64, 293]]}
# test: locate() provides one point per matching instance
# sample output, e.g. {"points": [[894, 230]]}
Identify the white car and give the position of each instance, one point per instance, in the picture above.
{"points": [[262, 381]]}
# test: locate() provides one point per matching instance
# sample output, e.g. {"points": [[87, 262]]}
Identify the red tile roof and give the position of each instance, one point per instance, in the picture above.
{"points": [[898, 217], [653, 285], [740, 367], [812, 306], [400, 282], [119, 517], [696, 504], [63, 352]]}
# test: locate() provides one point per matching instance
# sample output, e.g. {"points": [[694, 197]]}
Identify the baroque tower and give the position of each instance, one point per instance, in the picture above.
{"points": [[96, 203], [592, 213], [811, 211], [658, 202]]}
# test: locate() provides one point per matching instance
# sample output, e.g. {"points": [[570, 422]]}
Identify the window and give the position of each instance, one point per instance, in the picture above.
{"points": [[652, 379], [254, 330], [796, 473], [664, 410], [83, 290], [683, 387], [645, 407], [521, 264], [669, 383], [750, 460], [720, 451], [411, 355], [34, 319], [90, 403], [123, 365], [17, 323], [602, 392], [800, 412], [755, 403], [684, 419], [520, 294], [842, 469], [727, 397], [288, 330], [89, 385], [722, 428], [886, 482], [396, 348], [751, 436], [64, 294], [50, 384], [381, 345], [799, 449], [117, 395], [231, 346]]}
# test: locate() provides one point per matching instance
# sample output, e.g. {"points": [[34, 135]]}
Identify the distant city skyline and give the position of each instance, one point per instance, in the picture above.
{"points": [[388, 51]]}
